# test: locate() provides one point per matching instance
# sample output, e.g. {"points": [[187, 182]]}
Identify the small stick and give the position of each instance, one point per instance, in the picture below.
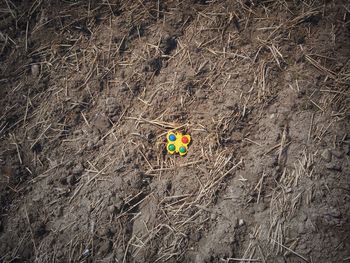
{"points": [[311, 126], [87, 123], [244, 259], [292, 251], [26, 43], [9, 8], [26, 112], [149, 164], [260, 186], [48, 127], [30, 228], [19, 155], [249, 140]]}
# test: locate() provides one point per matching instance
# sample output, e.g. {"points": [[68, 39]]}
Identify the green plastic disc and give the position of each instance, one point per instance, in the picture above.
{"points": [[171, 147], [182, 149]]}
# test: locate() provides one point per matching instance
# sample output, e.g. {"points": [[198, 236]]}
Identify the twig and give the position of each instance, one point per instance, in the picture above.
{"points": [[292, 251]]}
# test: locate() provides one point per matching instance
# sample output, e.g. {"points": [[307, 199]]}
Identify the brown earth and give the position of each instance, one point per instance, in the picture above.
{"points": [[89, 90]]}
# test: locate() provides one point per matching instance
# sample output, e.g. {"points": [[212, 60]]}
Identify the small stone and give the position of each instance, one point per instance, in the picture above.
{"points": [[303, 217], [103, 232], [261, 207], [213, 216], [236, 136], [112, 107], [111, 209], [234, 222], [105, 247], [112, 230], [200, 94], [40, 230], [63, 180], [3, 250], [101, 122], [86, 253], [75, 228], [59, 211], [326, 155], [334, 166], [195, 236], [69, 164], [59, 254], [288, 77], [77, 132], [35, 70], [241, 222], [100, 143], [333, 212], [72, 180], [280, 259], [109, 259], [337, 153], [310, 226], [26, 254], [301, 228], [105, 214], [78, 169], [119, 205], [111, 101]]}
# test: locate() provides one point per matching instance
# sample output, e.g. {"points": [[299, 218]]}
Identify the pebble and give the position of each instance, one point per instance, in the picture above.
{"points": [[63, 180], [72, 180], [77, 132], [101, 122], [236, 136], [59, 211], [86, 253], [78, 169], [301, 228], [112, 106], [334, 212], [326, 155], [333, 166], [201, 94], [196, 236], [241, 222], [280, 259], [337, 153], [105, 247], [111, 209], [35, 70], [119, 204], [310, 226], [112, 230], [103, 232], [111, 101], [261, 207], [303, 217], [75, 228], [234, 222], [288, 77]]}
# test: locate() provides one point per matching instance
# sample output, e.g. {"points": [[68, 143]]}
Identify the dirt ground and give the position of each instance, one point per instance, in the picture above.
{"points": [[89, 90]]}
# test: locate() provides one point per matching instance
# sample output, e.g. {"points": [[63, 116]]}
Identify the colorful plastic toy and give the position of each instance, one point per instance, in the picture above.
{"points": [[177, 143]]}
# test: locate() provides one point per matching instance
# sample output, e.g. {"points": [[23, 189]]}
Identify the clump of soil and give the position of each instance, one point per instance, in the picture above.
{"points": [[90, 89]]}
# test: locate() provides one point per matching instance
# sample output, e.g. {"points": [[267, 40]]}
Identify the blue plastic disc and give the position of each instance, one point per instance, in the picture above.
{"points": [[172, 137]]}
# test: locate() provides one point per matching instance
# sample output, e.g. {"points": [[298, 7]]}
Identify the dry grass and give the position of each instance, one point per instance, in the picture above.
{"points": [[92, 57]]}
